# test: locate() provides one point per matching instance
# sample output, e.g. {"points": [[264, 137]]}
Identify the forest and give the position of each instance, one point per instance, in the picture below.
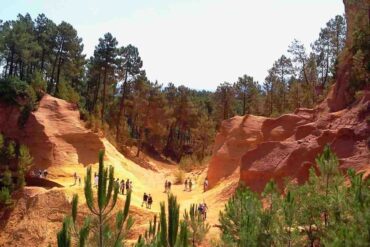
{"points": [[114, 95]]}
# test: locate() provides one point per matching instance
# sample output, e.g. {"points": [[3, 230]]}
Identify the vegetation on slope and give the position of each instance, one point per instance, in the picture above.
{"points": [[15, 160], [324, 211]]}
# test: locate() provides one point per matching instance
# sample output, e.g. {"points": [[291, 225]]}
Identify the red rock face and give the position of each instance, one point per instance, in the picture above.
{"points": [[236, 136], [285, 148], [53, 133]]}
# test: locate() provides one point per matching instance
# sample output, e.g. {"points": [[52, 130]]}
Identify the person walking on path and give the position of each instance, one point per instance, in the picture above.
{"points": [[145, 200], [190, 185], [165, 186], [205, 185], [122, 187], [186, 185], [127, 185], [75, 178], [150, 201], [205, 209], [96, 180], [169, 186]]}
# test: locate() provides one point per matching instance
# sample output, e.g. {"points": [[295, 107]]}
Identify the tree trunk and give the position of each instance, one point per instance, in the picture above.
{"points": [[121, 108], [96, 93], [104, 92], [42, 61], [51, 83], [11, 62], [304, 72], [244, 99], [58, 73]]}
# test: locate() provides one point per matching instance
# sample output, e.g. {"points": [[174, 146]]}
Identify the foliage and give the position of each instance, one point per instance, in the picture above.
{"points": [[15, 161], [66, 92], [17, 92], [5, 197], [240, 222], [101, 211], [324, 210], [198, 228], [170, 230], [38, 84]]}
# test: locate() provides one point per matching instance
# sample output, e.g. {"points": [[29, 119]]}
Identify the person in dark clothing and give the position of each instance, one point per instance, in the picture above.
{"points": [[150, 201], [205, 185], [169, 186], [186, 185], [205, 209], [166, 186], [127, 184], [122, 187], [190, 184], [145, 200]]}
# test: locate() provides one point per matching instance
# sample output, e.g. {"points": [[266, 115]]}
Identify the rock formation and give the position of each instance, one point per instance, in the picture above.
{"points": [[260, 149], [54, 133]]}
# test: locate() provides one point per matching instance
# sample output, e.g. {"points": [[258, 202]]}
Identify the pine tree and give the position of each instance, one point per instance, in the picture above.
{"points": [[101, 212], [171, 231], [198, 228], [240, 221]]}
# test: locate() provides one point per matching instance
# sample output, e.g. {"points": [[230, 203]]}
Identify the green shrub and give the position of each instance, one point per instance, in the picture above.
{"points": [[38, 84], [5, 198], [66, 92], [16, 92]]}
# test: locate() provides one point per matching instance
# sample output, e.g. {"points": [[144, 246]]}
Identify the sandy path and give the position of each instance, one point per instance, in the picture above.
{"points": [[151, 182]]}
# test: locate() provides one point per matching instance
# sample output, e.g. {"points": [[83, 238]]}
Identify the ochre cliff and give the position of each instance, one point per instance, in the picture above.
{"points": [[53, 133], [260, 149]]}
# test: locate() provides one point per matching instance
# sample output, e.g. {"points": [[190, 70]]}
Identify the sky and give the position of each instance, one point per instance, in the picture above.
{"points": [[196, 43]]}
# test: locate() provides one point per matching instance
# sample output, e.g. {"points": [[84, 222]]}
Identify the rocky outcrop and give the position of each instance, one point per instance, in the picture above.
{"points": [[236, 136], [286, 147], [54, 133]]}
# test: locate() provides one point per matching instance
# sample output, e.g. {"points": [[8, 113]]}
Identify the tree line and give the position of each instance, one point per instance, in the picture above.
{"points": [[114, 94]]}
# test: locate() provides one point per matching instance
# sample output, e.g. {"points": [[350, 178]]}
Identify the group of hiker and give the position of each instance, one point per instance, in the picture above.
{"points": [[76, 178], [188, 184], [147, 200], [167, 186], [202, 209], [40, 173], [122, 185]]}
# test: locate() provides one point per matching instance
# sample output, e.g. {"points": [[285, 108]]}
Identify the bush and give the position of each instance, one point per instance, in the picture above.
{"points": [[38, 84], [179, 177], [16, 92], [66, 92], [5, 198]]}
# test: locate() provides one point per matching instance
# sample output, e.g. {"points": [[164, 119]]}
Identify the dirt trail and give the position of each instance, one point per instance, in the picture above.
{"points": [[152, 182]]}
